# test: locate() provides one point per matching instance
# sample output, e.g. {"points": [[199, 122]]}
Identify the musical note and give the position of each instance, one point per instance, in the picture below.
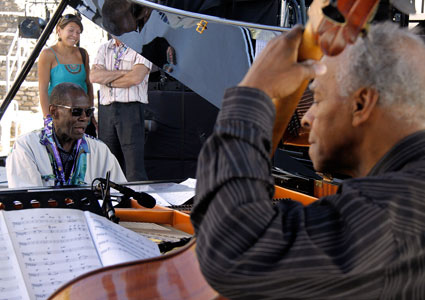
{"points": [[116, 244], [50, 244], [12, 284], [53, 246]]}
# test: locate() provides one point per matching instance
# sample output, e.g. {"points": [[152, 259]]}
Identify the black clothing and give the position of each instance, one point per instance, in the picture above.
{"points": [[125, 136]]}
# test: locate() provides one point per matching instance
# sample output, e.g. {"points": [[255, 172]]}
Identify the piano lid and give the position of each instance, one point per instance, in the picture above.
{"points": [[207, 54]]}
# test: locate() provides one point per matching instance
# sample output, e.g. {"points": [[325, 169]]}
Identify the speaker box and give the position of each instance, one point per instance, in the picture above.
{"points": [[184, 120]]}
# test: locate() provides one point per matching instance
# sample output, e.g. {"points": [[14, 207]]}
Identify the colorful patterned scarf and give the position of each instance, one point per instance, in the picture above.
{"points": [[79, 166], [118, 53]]}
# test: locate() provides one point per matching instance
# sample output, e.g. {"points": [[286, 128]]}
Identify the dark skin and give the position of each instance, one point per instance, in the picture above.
{"points": [[68, 128]]}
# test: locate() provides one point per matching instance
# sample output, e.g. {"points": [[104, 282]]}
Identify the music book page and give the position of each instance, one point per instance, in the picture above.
{"points": [[49, 247], [169, 193], [12, 284], [116, 244]]}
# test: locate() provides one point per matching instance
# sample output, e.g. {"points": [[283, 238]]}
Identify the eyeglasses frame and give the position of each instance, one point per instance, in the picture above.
{"points": [[82, 109]]}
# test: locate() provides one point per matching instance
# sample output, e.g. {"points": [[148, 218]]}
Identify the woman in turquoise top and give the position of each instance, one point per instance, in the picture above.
{"points": [[67, 73], [64, 61]]}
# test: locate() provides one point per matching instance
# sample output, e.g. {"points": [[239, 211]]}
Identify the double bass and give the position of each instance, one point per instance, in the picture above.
{"points": [[332, 25]]}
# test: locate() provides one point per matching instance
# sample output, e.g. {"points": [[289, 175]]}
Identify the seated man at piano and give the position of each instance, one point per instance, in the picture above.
{"points": [[62, 155], [365, 242]]}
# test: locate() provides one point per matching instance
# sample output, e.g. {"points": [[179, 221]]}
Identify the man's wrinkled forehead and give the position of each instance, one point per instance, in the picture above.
{"points": [[78, 98], [327, 60]]}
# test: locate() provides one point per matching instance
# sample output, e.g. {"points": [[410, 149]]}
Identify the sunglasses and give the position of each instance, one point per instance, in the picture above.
{"points": [[70, 17], [78, 111]]}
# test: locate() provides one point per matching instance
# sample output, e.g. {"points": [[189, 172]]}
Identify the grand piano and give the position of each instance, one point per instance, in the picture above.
{"points": [[200, 48]]}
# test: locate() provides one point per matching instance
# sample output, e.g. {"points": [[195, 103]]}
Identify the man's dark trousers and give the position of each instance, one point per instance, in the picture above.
{"points": [[121, 127]]}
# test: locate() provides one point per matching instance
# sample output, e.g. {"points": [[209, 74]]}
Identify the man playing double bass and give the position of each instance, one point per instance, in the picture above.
{"points": [[367, 121]]}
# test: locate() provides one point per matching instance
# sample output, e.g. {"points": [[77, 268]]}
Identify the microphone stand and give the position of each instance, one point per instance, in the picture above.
{"points": [[107, 207], [142, 198]]}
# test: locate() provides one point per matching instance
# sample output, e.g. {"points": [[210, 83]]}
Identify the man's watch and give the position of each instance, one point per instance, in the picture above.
{"points": [[109, 85]]}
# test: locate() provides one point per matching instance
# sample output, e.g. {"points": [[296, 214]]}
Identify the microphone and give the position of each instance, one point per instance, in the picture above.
{"points": [[144, 199]]}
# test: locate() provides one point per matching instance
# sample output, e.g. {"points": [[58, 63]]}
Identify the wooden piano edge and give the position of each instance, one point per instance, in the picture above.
{"points": [[281, 192], [158, 214], [181, 220]]}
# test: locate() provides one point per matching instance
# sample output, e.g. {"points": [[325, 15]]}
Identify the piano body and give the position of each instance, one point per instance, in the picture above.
{"points": [[201, 48], [198, 56]]}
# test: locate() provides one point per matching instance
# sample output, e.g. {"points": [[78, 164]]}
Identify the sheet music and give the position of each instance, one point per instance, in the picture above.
{"points": [[167, 194], [53, 246], [12, 284], [156, 232], [116, 244]]}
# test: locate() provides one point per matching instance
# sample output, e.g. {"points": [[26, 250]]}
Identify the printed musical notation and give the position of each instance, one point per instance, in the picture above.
{"points": [[46, 236], [156, 232], [50, 247], [169, 193], [12, 285], [118, 244]]}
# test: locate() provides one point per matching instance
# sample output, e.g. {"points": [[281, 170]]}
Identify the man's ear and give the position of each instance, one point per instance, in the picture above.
{"points": [[364, 102], [53, 110]]}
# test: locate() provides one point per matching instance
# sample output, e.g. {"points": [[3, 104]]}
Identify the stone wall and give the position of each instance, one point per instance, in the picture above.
{"points": [[27, 96]]}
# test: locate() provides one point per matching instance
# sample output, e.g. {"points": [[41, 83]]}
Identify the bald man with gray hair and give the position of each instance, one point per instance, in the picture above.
{"points": [[367, 121], [62, 155]]}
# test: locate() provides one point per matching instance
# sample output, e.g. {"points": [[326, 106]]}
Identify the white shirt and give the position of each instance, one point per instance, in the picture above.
{"points": [[29, 161], [106, 57]]}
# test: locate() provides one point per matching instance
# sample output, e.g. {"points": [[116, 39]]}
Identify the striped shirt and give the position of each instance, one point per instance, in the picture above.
{"points": [[107, 57], [365, 242]]}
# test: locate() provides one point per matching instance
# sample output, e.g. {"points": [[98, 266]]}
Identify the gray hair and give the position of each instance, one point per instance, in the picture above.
{"points": [[384, 60], [61, 92]]}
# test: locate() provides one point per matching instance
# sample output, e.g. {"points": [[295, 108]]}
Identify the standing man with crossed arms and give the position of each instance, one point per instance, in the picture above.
{"points": [[123, 75]]}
